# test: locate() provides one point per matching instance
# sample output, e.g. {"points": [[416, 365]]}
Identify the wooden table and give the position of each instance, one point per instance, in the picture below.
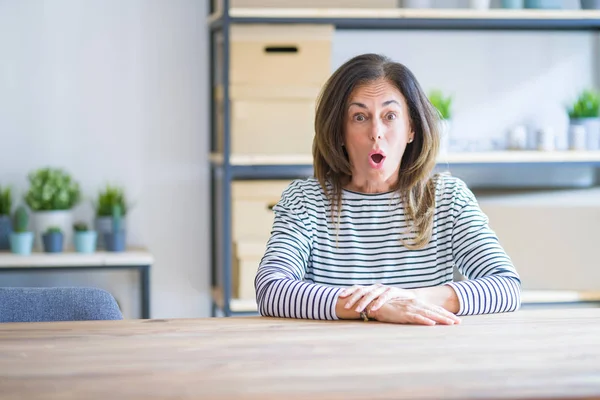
{"points": [[133, 258], [527, 354]]}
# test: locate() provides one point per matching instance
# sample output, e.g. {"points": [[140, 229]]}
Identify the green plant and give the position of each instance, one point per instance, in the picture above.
{"points": [[108, 198], [52, 189], [80, 227], [5, 200], [442, 103], [53, 229], [587, 105], [21, 220], [117, 218]]}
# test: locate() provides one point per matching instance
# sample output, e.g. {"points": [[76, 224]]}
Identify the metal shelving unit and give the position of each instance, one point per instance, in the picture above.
{"points": [[226, 167]]}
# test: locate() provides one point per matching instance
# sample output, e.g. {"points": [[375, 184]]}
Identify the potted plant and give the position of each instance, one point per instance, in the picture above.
{"points": [[590, 4], [544, 4], [5, 213], [21, 240], [53, 240], [444, 106], [512, 4], [107, 199], [51, 197], [115, 239], [85, 239], [585, 111]]}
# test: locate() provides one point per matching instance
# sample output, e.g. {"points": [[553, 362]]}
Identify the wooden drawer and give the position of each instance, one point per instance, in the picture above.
{"points": [[251, 208], [247, 256], [273, 55], [277, 121]]}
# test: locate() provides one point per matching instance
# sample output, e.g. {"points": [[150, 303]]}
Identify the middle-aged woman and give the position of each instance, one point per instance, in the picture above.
{"points": [[375, 234]]}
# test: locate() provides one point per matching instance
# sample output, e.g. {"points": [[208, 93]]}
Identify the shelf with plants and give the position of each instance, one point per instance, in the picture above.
{"points": [[476, 158], [403, 18], [43, 222], [229, 166]]}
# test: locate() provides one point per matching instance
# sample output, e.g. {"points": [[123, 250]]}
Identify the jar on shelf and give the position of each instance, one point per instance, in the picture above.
{"points": [[517, 138], [546, 139]]}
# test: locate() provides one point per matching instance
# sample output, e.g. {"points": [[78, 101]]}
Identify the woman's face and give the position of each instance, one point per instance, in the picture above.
{"points": [[377, 130]]}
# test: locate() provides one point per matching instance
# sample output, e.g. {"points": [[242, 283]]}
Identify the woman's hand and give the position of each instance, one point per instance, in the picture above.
{"points": [[413, 311], [362, 296], [390, 304]]}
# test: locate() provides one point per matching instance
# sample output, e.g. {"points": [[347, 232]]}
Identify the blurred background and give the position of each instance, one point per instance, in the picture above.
{"points": [[116, 94]]}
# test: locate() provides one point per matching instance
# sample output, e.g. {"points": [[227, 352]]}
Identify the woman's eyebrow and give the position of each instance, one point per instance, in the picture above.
{"points": [[361, 105], [385, 103]]}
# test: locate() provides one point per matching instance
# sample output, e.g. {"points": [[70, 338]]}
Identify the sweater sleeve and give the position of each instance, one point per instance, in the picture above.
{"points": [[493, 284], [280, 288]]}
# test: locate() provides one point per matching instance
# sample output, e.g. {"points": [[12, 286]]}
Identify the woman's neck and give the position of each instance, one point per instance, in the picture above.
{"points": [[370, 186]]}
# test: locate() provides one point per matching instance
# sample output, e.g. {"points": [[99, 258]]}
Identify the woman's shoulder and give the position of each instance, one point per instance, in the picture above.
{"points": [[451, 190], [302, 191]]}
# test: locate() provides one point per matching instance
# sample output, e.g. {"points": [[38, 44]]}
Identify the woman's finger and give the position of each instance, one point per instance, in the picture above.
{"points": [[370, 296], [446, 313], [358, 293], [419, 319], [348, 291], [442, 312], [430, 313]]}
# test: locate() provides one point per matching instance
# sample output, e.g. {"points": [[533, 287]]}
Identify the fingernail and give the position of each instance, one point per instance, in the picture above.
{"points": [[347, 306]]}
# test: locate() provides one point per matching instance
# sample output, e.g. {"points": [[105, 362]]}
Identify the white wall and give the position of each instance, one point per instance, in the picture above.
{"points": [[116, 91]]}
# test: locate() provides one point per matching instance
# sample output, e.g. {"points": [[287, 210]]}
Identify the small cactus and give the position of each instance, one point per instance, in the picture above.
{"points": [[21, 220], [53, 229], [117, 218], [80, 227], [5, 200]]}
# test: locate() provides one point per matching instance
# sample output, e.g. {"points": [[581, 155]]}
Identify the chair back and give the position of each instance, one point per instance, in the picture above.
{"points": [[57, 304]]}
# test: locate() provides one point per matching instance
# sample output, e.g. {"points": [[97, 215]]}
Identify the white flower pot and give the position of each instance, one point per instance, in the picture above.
{"points": [[42, 220], [592, 131]]}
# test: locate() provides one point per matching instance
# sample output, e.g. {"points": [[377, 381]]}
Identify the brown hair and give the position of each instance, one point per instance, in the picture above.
{"points": [[331, 163]]}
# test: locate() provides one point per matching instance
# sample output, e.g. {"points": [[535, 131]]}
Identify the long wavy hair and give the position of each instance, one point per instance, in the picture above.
{"points": [[416, 185]]}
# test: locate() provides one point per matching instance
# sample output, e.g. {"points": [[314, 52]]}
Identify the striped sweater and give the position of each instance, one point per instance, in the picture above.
{"points": [[308, 261]]}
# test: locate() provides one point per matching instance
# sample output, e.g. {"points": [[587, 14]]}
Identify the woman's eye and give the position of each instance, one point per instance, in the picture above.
{"points": [[390, 116], [359, 117]]}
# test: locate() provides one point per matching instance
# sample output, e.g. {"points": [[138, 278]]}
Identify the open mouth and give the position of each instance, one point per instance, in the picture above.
{"points": [[376, 159]]}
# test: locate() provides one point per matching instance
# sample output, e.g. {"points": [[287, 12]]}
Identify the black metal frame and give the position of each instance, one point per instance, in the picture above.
{"points": [[223, 172], [144, 271], [485, 24]]}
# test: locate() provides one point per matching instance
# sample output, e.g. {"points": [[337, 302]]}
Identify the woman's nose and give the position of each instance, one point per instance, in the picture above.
{"points": [[376, 131]]}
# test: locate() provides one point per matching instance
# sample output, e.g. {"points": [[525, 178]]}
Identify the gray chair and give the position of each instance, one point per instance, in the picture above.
{"points": [[57, 304]]}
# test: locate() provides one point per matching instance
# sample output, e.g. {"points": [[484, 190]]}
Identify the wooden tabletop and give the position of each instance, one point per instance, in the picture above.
{"points": [[527, 354]]}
